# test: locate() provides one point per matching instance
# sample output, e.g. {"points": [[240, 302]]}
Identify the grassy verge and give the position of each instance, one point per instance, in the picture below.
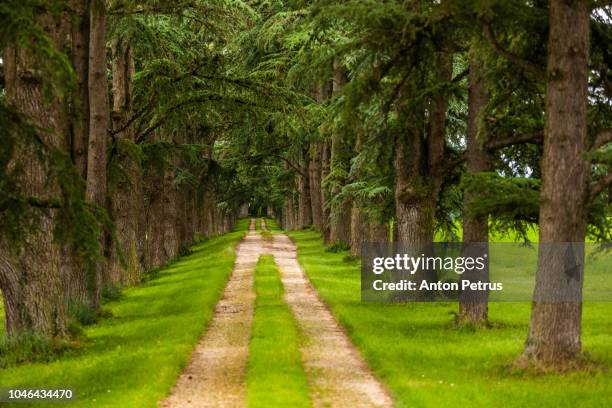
{"points": [[426, 362], [275, 375], [272, 225], [133, 358], [272, 228]]}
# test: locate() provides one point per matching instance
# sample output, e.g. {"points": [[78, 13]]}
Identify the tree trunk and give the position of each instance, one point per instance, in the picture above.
{"points": [[340, 220], [32, 274], [304, 204], [378, 232], [419, 171], [80, 103], [554, 333], [170, 216], [77, 290], [359, 229], [326, 211], [125, 193], [315, 186], [154, 209], [15, 319], [473, 305], [317, 170], [209, 210], [359, 221], [289, 213], [98, 125], [415, 195]]}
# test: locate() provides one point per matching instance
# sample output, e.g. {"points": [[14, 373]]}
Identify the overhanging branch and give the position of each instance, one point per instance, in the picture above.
{"points": [[500, 143], [602, 138], [601, 185], [535, 69]]}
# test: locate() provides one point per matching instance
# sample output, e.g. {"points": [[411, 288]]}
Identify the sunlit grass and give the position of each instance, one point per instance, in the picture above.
{"points": [[427, 362]]}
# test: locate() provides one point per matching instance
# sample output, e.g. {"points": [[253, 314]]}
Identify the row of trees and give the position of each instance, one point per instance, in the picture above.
{"points": [[128, 128], [424, 114], [109, 115]]}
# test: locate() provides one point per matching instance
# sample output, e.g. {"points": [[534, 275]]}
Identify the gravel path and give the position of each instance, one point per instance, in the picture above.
{"points": [[215, 377], [338, 375]]}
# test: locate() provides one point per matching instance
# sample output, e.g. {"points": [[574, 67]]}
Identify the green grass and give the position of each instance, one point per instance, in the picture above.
{"points": [[272, 228], [272, 225], [275, 376], [426, 362], [133, 358]]}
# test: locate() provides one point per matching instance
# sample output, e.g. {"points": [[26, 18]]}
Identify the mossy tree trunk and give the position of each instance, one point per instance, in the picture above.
{"points": [[99, 121], [77, 290], [33, 273], [419, 168], [125, 190]]}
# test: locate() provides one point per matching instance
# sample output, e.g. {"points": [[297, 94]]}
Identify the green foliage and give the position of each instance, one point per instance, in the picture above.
{"points": [[512, 201], [338, 247], [112, 293], [20, 26], [82, 313]]}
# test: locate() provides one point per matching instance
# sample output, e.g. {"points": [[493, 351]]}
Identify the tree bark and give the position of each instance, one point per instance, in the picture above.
{"points": [[154, 210], [209, 210], [289, 213], [77, 290], [125, 193], [315, 185], [317, 171], [98, 126], [359, 221], [80, 103], [32, 274], [340, 217], [555, 330], [171, 244], [378, 232], [326, 211], [359, 229], [419, 170], [304, 204], [473, 305]]}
